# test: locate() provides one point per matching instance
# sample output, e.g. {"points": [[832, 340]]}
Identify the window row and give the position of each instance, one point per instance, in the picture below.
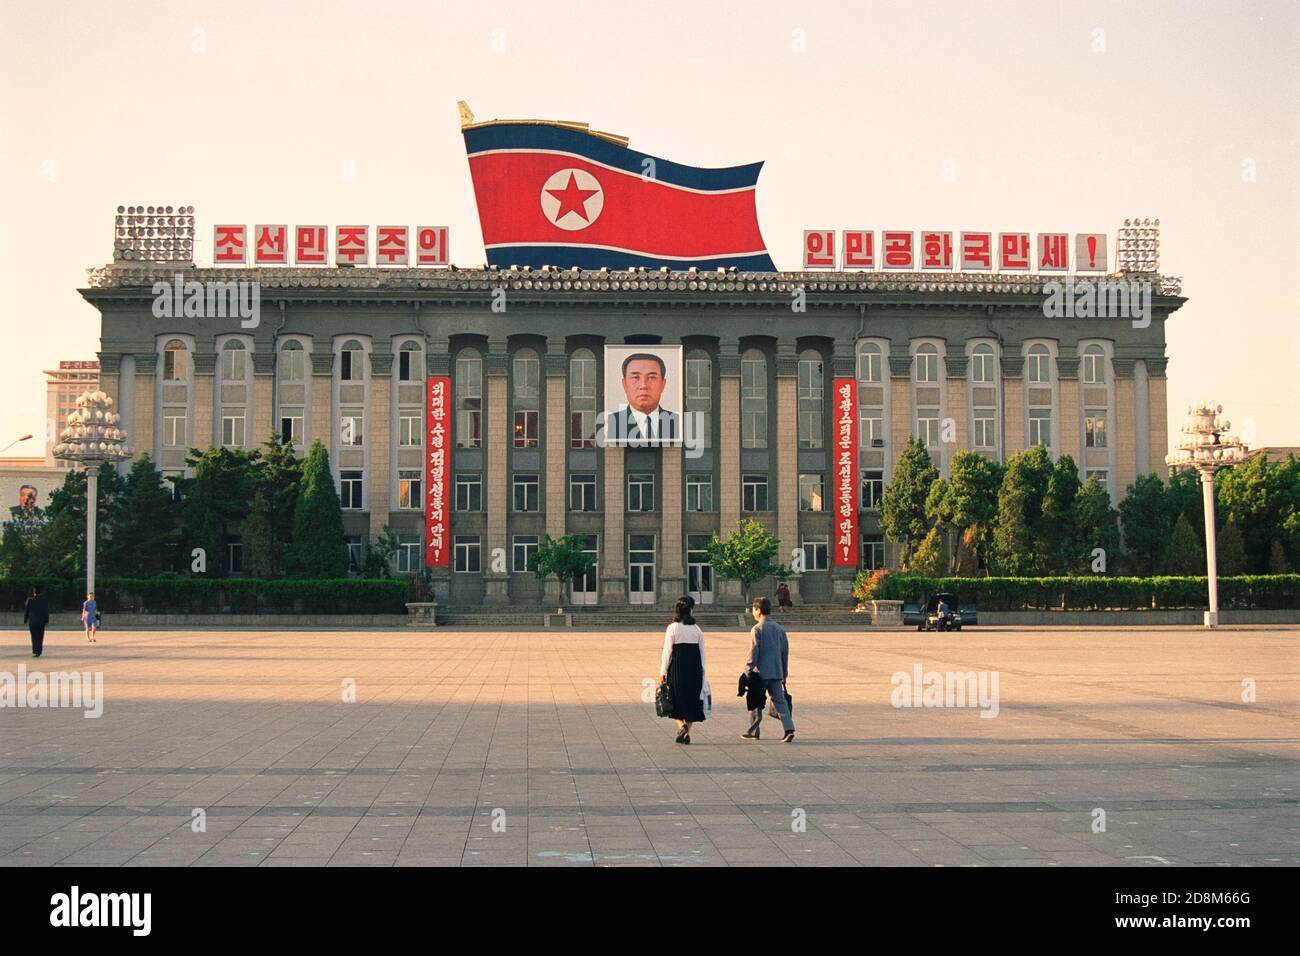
{"points": [[291, 363]]}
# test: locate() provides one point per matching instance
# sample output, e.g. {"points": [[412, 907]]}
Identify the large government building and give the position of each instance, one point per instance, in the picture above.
{"points": [[959, 360]]}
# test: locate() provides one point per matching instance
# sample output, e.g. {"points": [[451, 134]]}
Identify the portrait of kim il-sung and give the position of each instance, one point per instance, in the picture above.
{"points": [[643, 396]]}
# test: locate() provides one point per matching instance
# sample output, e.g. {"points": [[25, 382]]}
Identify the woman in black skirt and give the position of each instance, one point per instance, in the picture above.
{"points": [[682, 665]]}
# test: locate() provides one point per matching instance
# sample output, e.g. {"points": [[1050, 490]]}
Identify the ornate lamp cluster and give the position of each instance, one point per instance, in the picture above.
{"points": [[154, 234], [93, 433], [1207, 447], [1139, 245]]}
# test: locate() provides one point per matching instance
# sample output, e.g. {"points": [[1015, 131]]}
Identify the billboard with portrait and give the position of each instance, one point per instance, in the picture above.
{"points": [[643, 402]]}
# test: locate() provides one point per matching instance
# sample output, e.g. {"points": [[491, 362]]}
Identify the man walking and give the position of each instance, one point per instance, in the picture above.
{"points": [[769, 662], [36, 615]]}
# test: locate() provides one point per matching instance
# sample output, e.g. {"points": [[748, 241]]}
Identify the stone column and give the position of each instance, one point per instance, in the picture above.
{"points": [[1067, 379], [261, 404], [1013, 404], [787, 456], [204, 398], [1125, 425], [613, 547], [955, 365], [496, 490], [728, 450], [1158, 412], [555, 474], [142, 416], [672, 568], [379, 441], [322, 396]]}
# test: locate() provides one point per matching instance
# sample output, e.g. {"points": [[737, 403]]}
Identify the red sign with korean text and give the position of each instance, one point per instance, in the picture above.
{"points": [[431, 246], [846, 472], [819, 248], [230, 243], [436, 519]]}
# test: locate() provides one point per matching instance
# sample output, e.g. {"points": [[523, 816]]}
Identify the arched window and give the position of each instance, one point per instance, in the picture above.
{"points": [[982, 365], [811, 399], [526, 393], [352, 362], [753, 399], [699, 390], [1094, 365], [410, 362], [927, 364], [1038, 365], [175, 366], [293, 362], [870, 366], [234, 361], [469, 399], [582, 399]]}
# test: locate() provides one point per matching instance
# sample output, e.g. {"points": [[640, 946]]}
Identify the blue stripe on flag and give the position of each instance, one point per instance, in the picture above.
{"points": [[533, 136], [588, 257]]}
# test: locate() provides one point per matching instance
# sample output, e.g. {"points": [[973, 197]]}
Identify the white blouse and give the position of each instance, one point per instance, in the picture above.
{"points": [[681, 634]]}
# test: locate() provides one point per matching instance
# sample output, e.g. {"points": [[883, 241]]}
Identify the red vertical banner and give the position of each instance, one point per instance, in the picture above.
{"points": [[846, 472], [436, 523]]}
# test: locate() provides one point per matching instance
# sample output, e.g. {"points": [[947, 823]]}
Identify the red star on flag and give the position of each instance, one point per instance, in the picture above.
{"points": [[572, 199]]}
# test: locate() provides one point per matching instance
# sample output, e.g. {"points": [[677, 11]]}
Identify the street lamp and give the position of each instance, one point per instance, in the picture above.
{"points": [[1207, 449], [93, 436], [14, 442]]}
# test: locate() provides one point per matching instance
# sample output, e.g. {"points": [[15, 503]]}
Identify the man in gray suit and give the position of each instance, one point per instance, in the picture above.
{"points": [[769, 661]]}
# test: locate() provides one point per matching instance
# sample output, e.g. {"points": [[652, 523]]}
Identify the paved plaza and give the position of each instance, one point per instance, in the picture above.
{"points": [[541, 748]]}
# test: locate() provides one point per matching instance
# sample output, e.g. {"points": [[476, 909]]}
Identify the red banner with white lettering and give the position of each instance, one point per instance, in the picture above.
{"points": [[846, 472], [436, 523]]}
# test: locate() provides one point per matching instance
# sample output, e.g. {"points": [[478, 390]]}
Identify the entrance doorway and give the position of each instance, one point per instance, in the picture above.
{"points": [[583, 589], [641, 569], [699, 573]]}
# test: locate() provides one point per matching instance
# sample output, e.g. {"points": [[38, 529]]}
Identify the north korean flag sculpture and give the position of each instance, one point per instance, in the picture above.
{"points": [[559, 194]]}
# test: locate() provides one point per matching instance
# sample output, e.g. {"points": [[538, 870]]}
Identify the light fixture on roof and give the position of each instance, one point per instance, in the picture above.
{"points": [[153, 234]]}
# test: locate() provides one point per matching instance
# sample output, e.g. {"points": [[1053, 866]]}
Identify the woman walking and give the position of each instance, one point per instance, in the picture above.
{"points": [[682, 665], [89, 616]]}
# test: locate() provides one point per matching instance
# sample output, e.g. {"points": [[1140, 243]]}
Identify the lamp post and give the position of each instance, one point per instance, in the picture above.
{"points": [[93, 436], [14, 442], [1207, 448]]}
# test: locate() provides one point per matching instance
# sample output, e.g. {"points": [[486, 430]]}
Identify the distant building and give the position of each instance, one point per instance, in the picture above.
{"points": [[62, 388]]}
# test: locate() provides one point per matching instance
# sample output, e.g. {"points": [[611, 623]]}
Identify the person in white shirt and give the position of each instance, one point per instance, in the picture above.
{"points": [[681, 665], [642, 422]]}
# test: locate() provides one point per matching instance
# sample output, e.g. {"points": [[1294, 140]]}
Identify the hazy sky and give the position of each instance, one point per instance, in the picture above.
{"points": [[1054, 116]]}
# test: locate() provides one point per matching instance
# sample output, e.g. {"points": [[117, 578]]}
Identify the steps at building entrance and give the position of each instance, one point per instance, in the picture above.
{"points": [[709, 617]]}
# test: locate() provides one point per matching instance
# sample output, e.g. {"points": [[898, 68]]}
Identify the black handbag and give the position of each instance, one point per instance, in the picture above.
{"points": [[789, 704], [664, 700]]}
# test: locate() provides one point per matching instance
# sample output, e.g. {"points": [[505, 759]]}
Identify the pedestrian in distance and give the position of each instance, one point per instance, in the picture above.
{"points": [[36, 615], [681, 667], [769, 663], [90, 617]]}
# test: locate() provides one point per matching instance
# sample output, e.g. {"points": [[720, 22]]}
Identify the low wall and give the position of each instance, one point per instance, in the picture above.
{"points": [[1130, 618]]}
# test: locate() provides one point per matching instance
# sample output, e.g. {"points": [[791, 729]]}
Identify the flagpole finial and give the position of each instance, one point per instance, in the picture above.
{"points": [[466, 116]]}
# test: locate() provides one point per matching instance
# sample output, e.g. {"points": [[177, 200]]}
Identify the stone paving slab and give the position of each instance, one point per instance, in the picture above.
{"points": [[483, 748]]}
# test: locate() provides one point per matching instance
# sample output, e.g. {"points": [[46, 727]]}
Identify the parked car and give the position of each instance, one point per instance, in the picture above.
{"points": [[925, 614]]}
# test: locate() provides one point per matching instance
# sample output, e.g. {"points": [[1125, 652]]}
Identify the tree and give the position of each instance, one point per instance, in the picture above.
{"points": [[258, 541], [141, 537], [1184, 554], [216, 501], [1230, 549], [1260, 496], [18, 542], [278, 476], [1183, 492], [318, 549], [1147, 521], [1277, 562], [929, 558], [565, 558], [968, 502], [60, 551], [1017, 546], [902, 506], [1098, 525], [746, 555], [1058, 530], [379, 556]]}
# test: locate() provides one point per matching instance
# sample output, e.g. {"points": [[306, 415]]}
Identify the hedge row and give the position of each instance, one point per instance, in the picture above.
{"points": [[217, 595], [1259, 591]]}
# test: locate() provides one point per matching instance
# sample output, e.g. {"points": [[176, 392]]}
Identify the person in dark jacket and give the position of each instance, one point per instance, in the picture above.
{"points": [[769, 664], [36, 615]]}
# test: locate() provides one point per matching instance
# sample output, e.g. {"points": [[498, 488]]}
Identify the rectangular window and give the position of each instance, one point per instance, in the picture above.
{"points": [[927, 427], [466, 550], [1040, 427], [810, 492], [350, 489], [1038, 367], [355, 556], [408, 551], [234, 556], [1102, 474], [873, 487], [699, 379], [410, 429], [174, 428], [816, 554], [869, 366], [350, 365], [233, 365], [293, 365], [982, 367], [985, 428], [526, 489], [404, 365], [410, 486], [526, 429], [469, 493], [699, 492], [753, 403], [352, 427], [524, 553], [641, 491], [927, 367], [873, 551], [469, 403], [871, 427], [173, 366], [582, 429], [753, 493], [173, 481], [1094, 369], [232, 431], [1095, 429], [291, 429], [582, 492]]}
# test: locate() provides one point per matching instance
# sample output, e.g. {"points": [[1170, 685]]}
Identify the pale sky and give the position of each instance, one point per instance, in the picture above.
{"points": [[1054, 116]]}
